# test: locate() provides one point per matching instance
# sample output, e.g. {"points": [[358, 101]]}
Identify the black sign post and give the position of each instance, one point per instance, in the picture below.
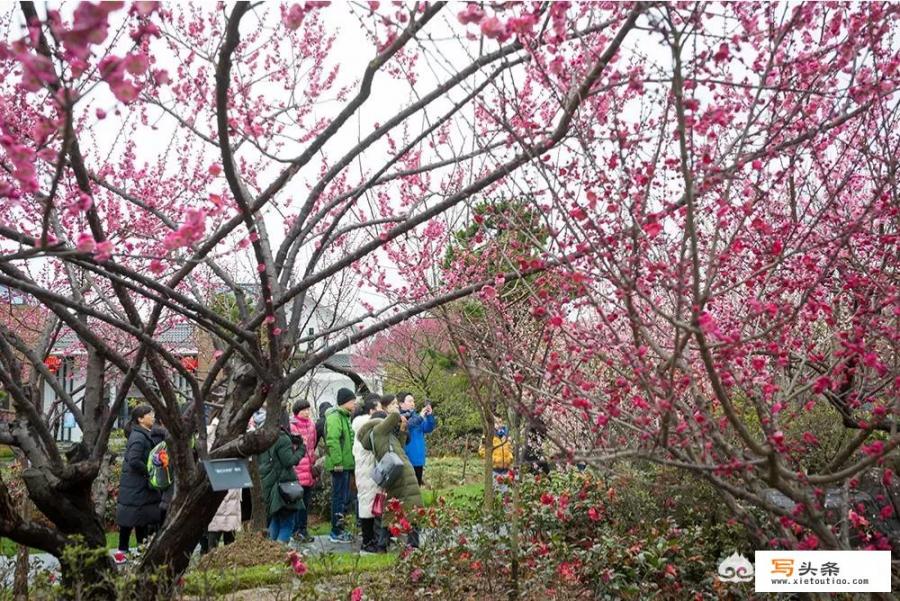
{"points": [[227, 474]]}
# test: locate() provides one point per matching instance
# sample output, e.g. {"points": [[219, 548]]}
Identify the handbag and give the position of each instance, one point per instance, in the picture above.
{"points": [[291, 492], [388, 468], [378, 504]]}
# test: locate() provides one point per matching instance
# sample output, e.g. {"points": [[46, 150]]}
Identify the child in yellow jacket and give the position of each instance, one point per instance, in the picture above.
{"points": [[501, 451]]}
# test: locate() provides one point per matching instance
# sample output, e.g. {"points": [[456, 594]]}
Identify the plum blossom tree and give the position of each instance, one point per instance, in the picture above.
{"points": [[158, 158], [724, 230]]}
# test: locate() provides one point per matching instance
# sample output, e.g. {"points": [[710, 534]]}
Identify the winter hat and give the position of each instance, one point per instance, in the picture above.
{"points": [[345, 395]]}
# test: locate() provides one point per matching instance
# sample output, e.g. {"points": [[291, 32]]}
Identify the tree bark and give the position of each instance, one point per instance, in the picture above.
{"points": [[169, 554], [257, 507], [20, 582]]}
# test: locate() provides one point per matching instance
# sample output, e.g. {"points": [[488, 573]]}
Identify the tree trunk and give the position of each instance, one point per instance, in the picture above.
{"points": [[86, 568], [514, 540], [515, 513], [465, 459], [257, 506], [170, 550], [488, 427], [20, 581]]}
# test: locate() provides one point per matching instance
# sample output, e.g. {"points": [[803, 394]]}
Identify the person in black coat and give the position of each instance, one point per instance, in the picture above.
{"points": [[320, 423], [138, 504]]}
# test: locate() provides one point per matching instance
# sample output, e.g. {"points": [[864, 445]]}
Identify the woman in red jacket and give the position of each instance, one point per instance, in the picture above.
{"points": [[302, 425]]}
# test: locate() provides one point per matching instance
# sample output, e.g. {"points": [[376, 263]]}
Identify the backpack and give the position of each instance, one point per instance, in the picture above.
{"points": [[158, 470], [389, 467]]}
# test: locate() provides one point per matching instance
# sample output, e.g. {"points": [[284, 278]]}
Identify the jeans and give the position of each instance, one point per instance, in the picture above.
{"points": [[300, 526], [340, 497], [281, 526]]}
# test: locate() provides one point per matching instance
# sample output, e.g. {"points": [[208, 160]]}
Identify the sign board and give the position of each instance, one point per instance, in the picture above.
{"points": [[226, 474]]}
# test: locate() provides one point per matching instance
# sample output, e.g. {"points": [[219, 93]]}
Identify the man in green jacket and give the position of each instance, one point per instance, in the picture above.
{"points": [[339, 460]]}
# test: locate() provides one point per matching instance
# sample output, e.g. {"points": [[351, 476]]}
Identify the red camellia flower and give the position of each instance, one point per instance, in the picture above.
{"points": [[53, 363], [189, 363]]}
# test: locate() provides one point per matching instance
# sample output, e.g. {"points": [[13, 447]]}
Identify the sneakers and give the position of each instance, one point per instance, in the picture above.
{"points": [[343, 537], [303, 539]]}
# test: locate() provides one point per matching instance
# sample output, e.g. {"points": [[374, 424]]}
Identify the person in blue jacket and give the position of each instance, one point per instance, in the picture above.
{"points": [[418, 425]]}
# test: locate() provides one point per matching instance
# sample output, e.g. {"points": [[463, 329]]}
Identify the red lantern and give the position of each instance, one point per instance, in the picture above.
{"points": [[53, 363]]}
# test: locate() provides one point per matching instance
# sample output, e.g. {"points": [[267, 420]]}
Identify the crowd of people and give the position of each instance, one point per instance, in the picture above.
{"points": [[373, 449]]}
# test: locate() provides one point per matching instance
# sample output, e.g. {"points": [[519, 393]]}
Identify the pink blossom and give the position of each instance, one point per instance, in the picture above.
{"points": [[492, 28], [157, 266], [722, 54], [857, 520], [434, 230], [356, 594], [161, 76], [136, 63], [293, 18], [145, 9], [103, 251], [488, 292], [261, 267], [296, 561], [85, 243], [82, 202], [471, 14], [652, 228], [874, 449], [523, 25]]}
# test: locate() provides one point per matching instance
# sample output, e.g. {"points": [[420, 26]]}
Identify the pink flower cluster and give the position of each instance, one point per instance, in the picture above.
{"points": [[113, 70], [296, 562], [493, 28], [294, 16], [90, 26], [190, 231], [23, 160]]}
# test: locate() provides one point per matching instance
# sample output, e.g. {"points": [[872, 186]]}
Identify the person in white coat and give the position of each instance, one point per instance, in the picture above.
{"points": [[227, 520], [366, 489]]}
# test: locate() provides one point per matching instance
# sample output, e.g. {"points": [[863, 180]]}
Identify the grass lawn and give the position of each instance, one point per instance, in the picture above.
{"points": [[467, 496], [8, 547], [220, 582]]}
